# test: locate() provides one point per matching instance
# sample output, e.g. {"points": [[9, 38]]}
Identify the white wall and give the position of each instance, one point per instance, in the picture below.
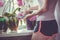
{"points": [[57, 15]]}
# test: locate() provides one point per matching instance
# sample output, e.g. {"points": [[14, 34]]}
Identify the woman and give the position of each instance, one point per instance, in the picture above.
{"points": [[46, 27]]}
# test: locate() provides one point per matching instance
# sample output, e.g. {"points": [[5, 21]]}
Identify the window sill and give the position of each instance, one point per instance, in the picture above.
{"points": [[18, 33]]}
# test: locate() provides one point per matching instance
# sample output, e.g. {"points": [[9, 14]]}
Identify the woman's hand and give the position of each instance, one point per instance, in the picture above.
{"points": [[33, 18], [28, 16]]}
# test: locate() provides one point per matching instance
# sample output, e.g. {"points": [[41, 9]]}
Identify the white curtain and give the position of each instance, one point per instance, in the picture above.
{"points": [[1, 7]]}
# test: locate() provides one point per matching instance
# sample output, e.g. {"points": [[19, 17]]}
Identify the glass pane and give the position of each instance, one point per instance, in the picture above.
{"points": [[10, 11]]}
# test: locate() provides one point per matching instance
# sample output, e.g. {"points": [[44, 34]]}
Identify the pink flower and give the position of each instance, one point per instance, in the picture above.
{"points": [[1, 4], [20, 2], [20, 14]]}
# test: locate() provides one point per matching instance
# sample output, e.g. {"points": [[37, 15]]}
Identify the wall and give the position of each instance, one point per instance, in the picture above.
{"points": [[57, 15]]}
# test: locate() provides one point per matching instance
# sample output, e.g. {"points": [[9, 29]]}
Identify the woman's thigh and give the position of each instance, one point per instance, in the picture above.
{"points": [[39, 35]]}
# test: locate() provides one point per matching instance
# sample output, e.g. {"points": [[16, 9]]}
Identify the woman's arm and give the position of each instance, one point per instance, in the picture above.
{"points": [[34, 8], [31, 8], [41, 11]]}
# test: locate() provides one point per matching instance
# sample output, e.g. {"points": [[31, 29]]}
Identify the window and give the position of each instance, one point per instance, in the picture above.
{"points": [[9, 8]]}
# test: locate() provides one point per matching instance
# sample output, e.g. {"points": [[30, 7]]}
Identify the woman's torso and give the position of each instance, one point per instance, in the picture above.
{"points": [[49, 15]]}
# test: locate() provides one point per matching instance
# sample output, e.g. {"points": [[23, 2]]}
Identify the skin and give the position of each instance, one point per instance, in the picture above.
{"points": [[40, 12]]}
